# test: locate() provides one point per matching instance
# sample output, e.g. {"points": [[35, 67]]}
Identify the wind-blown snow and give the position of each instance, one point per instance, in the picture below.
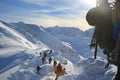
{"points": [[21, 45]]}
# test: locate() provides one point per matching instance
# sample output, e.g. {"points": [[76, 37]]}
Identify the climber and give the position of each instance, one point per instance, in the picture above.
{"points": [[38, 69], [43, 60], [50, 60], [59, 71]]}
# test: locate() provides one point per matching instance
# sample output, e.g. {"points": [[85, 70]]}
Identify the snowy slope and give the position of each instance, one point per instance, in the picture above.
{"points": [[37, 34], [21, 45], [76, 38], [14, 36], [73, 37], [86, 69]]}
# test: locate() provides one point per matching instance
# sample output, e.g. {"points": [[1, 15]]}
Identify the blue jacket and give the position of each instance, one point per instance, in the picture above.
{"points": [[116, 30]]}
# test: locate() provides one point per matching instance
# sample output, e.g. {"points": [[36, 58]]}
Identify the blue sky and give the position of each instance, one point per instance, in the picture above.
{"points": [[47, 12]]}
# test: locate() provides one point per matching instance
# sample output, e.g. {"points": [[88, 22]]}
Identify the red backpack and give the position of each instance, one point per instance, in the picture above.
{"points": [[59, 67]]}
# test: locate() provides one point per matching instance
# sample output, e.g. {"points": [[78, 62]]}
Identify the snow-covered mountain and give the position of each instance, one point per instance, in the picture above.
{"points": [[89, 32], [72, 36], [68, 32], [13, 37], [22, 47]]}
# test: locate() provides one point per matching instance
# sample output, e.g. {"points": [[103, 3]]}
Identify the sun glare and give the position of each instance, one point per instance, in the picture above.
{"points": [[89, 2]]}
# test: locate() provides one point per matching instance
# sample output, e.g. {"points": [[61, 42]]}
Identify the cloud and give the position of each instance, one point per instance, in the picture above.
{"points": [[48, 21], [51, 12], [70, 3], [65, 12], [63, 7], [38, 2]]}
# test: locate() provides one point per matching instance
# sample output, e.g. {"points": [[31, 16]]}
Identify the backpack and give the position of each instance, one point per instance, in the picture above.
{"points": [[59, 68], [102, 20]]}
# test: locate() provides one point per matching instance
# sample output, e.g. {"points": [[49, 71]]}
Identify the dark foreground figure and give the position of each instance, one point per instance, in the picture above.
{"points": [[106, 19]]}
